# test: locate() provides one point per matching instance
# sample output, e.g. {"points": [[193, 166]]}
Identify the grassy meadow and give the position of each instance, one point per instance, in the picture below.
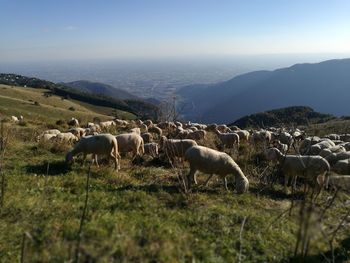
{"points": [[142, 213]]}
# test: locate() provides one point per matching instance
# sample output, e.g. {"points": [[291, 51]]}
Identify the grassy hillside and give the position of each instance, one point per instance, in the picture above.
{"points": [[141, 213], [51, 106], [140, 108]]}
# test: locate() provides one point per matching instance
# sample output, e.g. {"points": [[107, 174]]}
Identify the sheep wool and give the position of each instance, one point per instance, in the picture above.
{"points": [[211, 162]]}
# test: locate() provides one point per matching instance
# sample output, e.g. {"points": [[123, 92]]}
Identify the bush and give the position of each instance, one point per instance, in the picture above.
{"points": [[71, 108], [61, 122], [36, 103]]}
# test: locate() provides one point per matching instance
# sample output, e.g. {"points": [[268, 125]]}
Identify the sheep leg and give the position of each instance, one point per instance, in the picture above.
{"points": [[225, 181], [190, 177], [95, 159], [115, 159], [207, 181]]}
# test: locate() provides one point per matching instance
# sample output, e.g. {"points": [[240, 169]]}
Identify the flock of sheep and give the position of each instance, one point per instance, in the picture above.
{"points": [[314, 159]]}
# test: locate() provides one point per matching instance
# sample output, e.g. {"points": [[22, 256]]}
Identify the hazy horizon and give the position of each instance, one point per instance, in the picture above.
{"points": [[75, 30]]}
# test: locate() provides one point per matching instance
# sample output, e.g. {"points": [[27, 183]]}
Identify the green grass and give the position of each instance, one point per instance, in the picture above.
{"points": [[140, 213]]}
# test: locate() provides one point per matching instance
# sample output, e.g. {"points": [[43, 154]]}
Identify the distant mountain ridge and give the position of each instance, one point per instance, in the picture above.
{"points": [[324, 86], [285, 117], [99, 88]]}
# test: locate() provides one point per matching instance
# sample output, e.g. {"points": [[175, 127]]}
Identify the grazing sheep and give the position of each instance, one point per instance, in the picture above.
{"points": [[174, 148], [131, 142], [312, 168], [223, 128], [79, 132], [73, 122], [66, 137], [342, 167], [102, 144], [243, 135], [151, 149], [46, 137], [14, 119], [52, 131], [228, 139], [107, 124], [212, 162], [261, 137], [155, 129], [197, 135], [147, 137]]}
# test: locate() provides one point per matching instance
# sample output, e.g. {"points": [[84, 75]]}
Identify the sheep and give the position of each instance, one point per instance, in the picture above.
{"points": [[335, 157], [151, 149], [342, 167], [136, 130], [212, 162], [14, 119], [259, 137], [148, 123], [196, 135], [228, 139], [147, 137], [73, 122], [79, 132], [107, 124], [286, 138], [328, 151], [243, 135], [46, 137], [281, 146], [223, 128], [313, 168], [52, 131], [102, 144], [318, 147], [155, 129], [131, 142], [174, 148], [66, 137]]}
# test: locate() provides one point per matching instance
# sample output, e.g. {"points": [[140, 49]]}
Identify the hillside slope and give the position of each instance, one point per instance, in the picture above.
{"points": [[99, 88], [142, 109], [323, 86]]}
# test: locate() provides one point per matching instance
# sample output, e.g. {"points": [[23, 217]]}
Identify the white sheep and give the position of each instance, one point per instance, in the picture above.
{"points": [[281, 146], [197, 135], [136, 130], [151, 149], [212, 162], [66, 137], [243, 135], [52, 131], [328, 151], [342, 167], [102, 144], [261, 137], [174, 148], [155, 129], [79, 132], [228, 140], [131, 142], [14, 119], [312, 168]]}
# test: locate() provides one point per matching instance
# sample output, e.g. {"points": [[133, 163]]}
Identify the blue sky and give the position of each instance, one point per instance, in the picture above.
{"points": [[55, 30]]}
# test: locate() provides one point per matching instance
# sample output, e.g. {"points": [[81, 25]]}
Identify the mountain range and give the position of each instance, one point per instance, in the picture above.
{"points": [[324, 86], [99, 88]]}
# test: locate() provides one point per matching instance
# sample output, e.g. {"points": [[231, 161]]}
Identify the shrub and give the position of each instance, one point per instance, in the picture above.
{"points": [[71, 108]]}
